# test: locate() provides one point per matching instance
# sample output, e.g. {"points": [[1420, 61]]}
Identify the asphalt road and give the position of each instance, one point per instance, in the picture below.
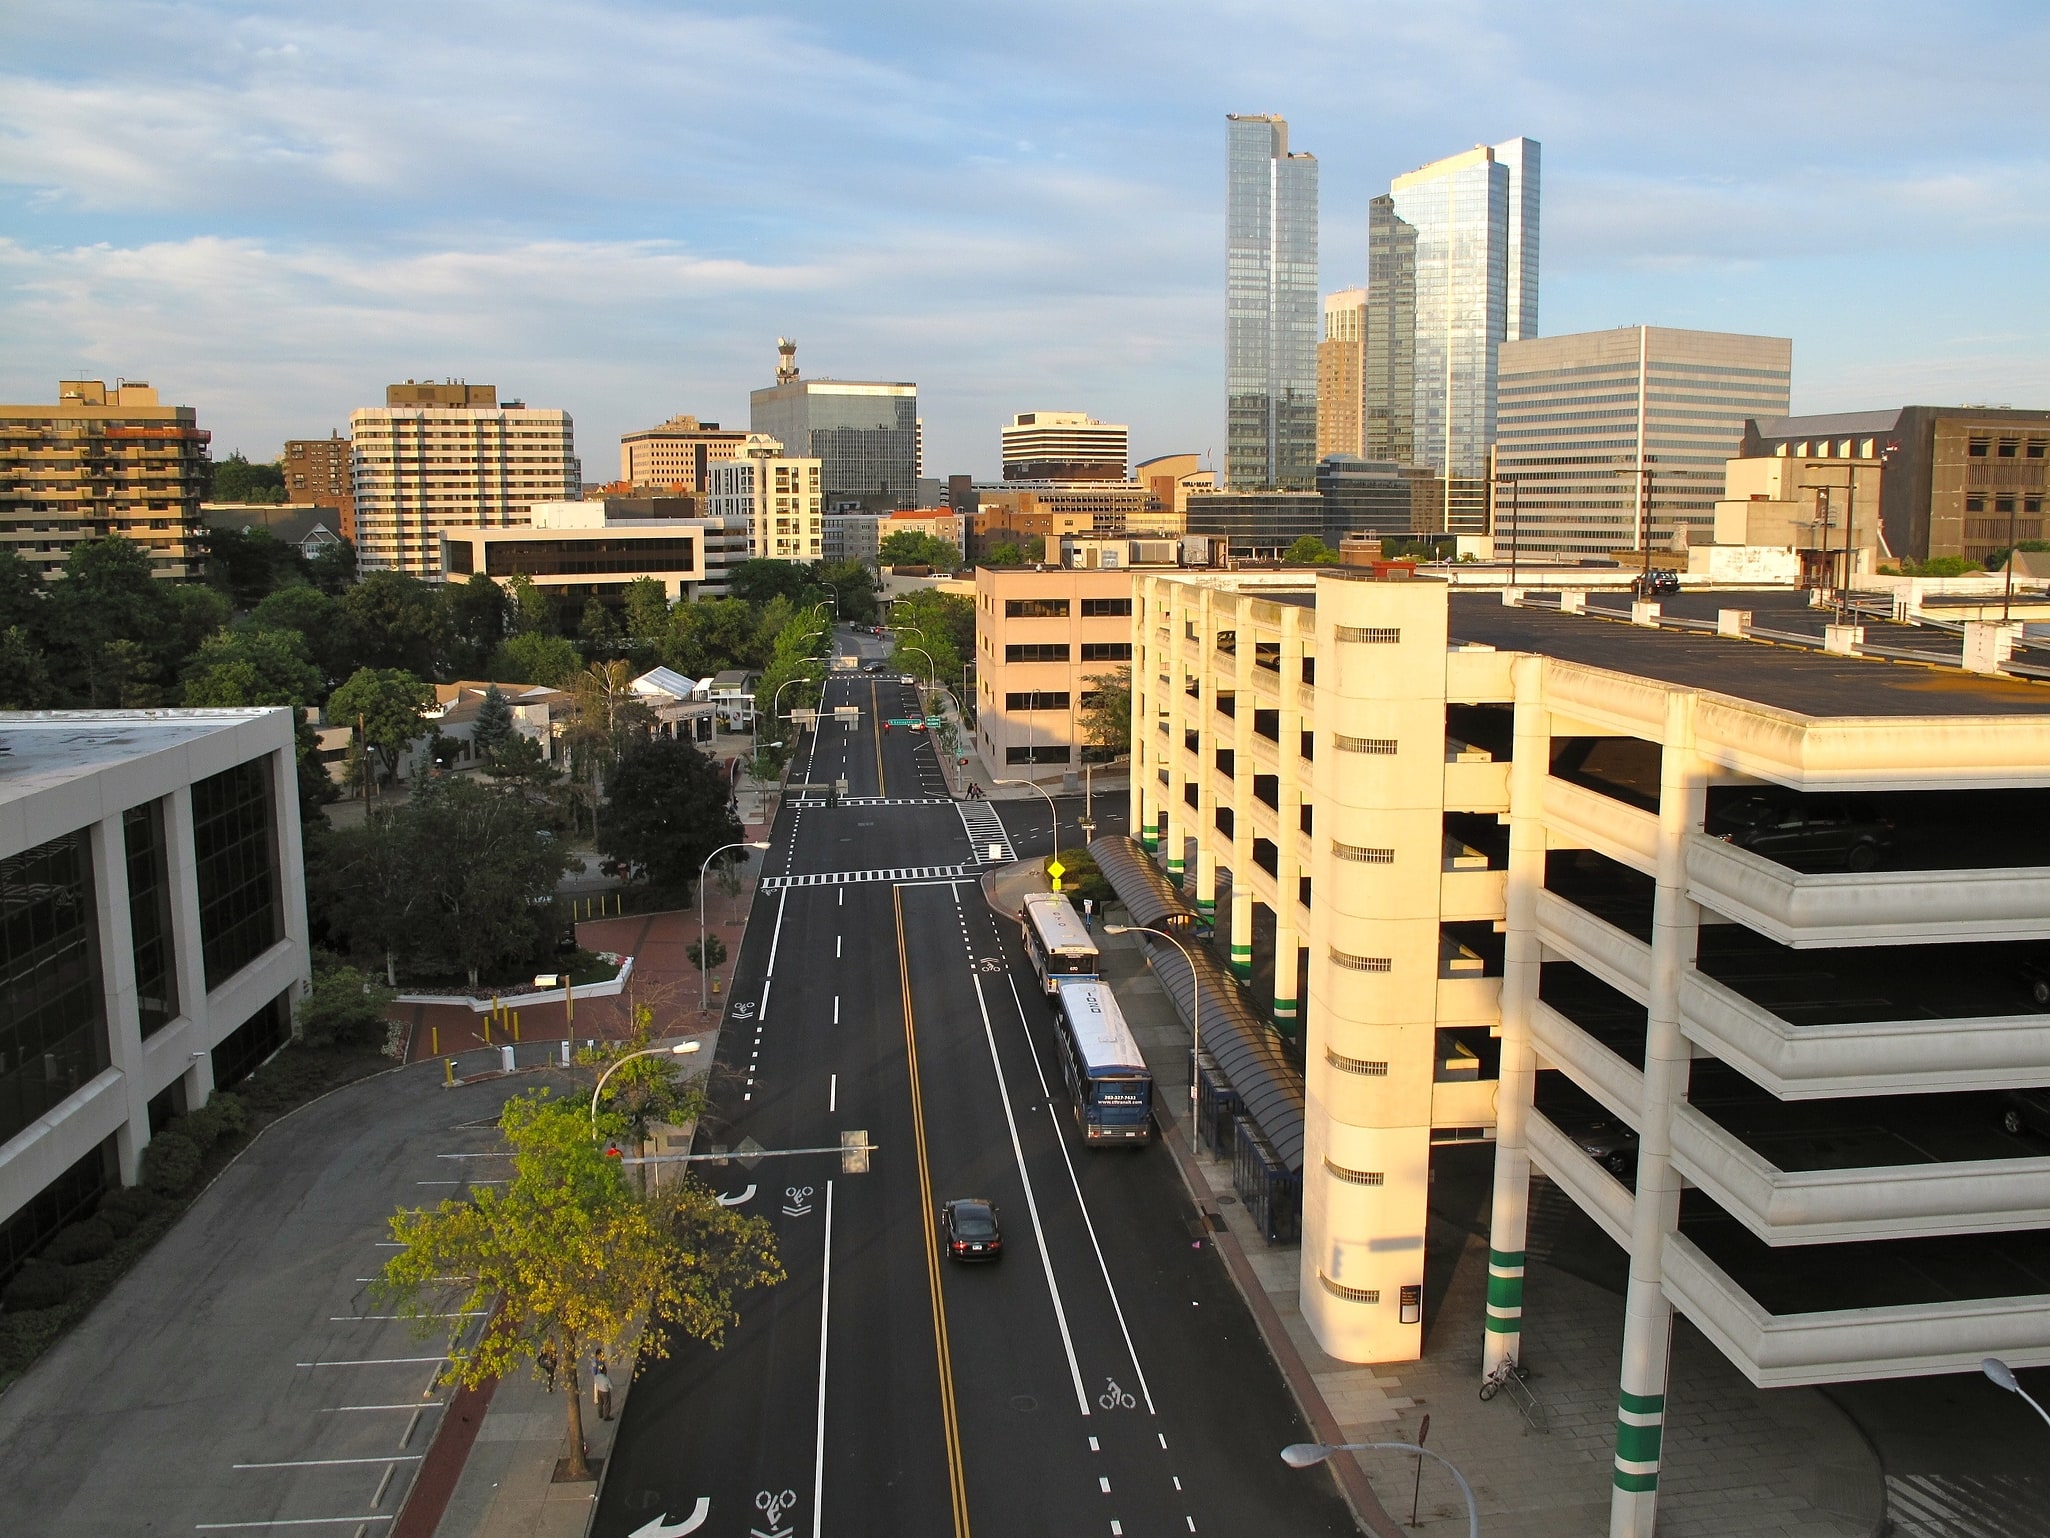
{"points": [[1102, 1378]]}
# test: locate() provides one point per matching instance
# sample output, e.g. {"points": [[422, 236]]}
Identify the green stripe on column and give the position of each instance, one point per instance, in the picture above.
{"points": [[1505, 1260], [1284, 1009], [1505, 1324], [1638, 1444], [1636, 1484], [1207, 907], [1642, 1404], [1505, 1291], [1149, 835]]}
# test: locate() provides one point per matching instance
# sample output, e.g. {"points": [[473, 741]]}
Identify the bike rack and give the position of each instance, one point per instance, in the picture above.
{"points": [[1514, 1377]]}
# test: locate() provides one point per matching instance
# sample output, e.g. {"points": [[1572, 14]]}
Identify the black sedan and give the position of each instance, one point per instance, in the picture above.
{"points": [[1808, 833], [970, 1227]]}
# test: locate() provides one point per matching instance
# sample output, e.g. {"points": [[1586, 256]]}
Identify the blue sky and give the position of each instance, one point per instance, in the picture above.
{"points": [[271, 211]]}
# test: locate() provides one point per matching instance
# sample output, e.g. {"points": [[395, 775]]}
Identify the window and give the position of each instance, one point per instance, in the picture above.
{"points": [[1191, 796], [1227, 824], [1309, 745], [1106, 651], [1304, 817], [1354, 1177], [1106, 608], [245, 1047], [1036, 699], [1267, 790], [1362, 854], [1384, 746], [1309, 670], [53, 1035], [1302, 890], [1368, 636], [70, 1196], [2035, 450], [1975, 504], [1039, 652], [1978, 448], [1227, 762], [1267, 654], [149, 917], [1352, 963], [1365, 1067], [2010, 448], [1267, 723], [1044, 753], [1228, 642], [1039, 608], [1192, 741], [1227, 703], [235, 842]]}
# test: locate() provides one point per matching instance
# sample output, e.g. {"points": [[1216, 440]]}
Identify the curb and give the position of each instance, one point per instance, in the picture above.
{"points": [[442, 1467]]}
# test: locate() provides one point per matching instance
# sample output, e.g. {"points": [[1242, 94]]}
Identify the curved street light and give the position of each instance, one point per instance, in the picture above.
{"points": [[1056, 811], [1195, 1005], [679, 1050], [704, 956], [1303, 1455], [2003, 1375]]}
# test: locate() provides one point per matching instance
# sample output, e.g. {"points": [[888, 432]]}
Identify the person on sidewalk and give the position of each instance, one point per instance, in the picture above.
{"points": [[545, 1360], [601, 1391]]}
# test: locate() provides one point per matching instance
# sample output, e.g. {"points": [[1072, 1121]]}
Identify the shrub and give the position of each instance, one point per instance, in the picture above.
{"points": [[202, 1127], [120, 1221], [78, 1243], [232, 1113], [346, 1008], [169, 1162], [38, 1284], [132, 1202]]}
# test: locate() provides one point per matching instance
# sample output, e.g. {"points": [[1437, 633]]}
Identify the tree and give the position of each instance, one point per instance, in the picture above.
{"points": [[1107, 713], [1003, 553], [494, 727], [758, 581], [319, 621], [332, 568], [485, 870], [940, 625], [911, 548], [564, 1259], [1309, 550], [597, 629], [24, 676], [364, 888], [385, 705], [345, 1008], [246, 564], [534, 657], [711, 635], [643, 1093], [235, 479], [252, 666], [854, 585], [115, 633], [668, 810], [533, 611], [398, 622], [479, 618], [647, 613]]}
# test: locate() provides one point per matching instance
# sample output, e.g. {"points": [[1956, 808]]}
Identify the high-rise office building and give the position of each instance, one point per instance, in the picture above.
{"points": [[1270, 340], [863, 433], [1341, 370], [1454, 244], [450, 456], [317, 472], [104, 460], [679, 453], [1064, 446], [1583, 415]]}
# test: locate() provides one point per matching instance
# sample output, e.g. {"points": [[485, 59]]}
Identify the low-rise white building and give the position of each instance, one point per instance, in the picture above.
{"points": [[155, 937], [592, 549]]}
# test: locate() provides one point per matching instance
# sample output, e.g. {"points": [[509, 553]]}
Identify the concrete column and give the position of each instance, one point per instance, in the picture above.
{"points": [[1142, 793], [291, 868], [1286, 963], [1206, 877], [1503, 1338], [1242, 866], [181, 860], [1647, 1312], [1241, 925], [108, 855]]}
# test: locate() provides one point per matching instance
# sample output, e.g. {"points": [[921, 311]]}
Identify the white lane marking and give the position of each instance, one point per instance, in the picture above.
{"points": [[836, 947], [836, 1009], [775, 939], [343, 1409], [231, 1527], [1053, 1290], [818, 1465], [326, 1463], [843, 897], [833, 1093], [1103, 1483], [1093, 1447], [1080, 1201], [376, 1361]]}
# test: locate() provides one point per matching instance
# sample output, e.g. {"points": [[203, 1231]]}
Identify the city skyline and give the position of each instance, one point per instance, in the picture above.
{"points": [[226, 204]]}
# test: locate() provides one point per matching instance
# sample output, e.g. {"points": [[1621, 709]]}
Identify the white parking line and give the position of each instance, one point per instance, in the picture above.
{"points": [[378, 1361], [232, 1527], [818, 1462], [326, 1463], [344, 1409], [467, 1313]]}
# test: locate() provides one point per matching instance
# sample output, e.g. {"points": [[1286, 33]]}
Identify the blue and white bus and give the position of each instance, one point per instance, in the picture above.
{"points": [[1111, 1085], [1057, 940]]}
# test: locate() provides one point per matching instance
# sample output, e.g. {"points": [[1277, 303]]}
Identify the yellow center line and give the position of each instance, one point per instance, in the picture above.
{"points": [[875, 713], [956, 1477]]}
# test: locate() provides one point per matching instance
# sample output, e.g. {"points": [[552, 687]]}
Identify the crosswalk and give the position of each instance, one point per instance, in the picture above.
{"points": [[983, 827], [860, 877], [818, 801], [1935, 1506]]}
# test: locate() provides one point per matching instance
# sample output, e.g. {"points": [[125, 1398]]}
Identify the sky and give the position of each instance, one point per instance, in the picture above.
{"points": [[272, 211]]}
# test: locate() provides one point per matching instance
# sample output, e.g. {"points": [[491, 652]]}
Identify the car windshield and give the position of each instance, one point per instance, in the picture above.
{"points": [[972, 1220]]}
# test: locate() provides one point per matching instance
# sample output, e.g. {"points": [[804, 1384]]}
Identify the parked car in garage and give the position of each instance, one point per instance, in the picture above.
{"points": [[2025, 1110], [2035, 976], [1807, 832]]}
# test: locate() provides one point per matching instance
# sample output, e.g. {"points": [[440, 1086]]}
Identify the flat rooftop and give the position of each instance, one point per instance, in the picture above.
{"points": [[42, 749], [1781, 677]]}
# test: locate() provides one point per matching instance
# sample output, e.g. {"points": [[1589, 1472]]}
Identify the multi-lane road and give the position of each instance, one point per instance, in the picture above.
{"points": [[1103, 1378]]}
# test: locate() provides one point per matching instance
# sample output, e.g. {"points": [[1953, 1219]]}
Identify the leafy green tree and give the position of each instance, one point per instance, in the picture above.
{"points": [[252, 666], [712, 635], [479, 618], [364, 888], [494, 726], [533, 611], [941, 625], [758, 581], [598, 630], [536, 657], [235, 479], [24, 676], [1309, 550], [1004, 553], [647, 613], [321, 624], [115, 632], [398, 623], [485, 870], [332, 568], [1107, 713], [564, 1259], [23, 597], [668, 809], [643, 1093], [385, 706], [790, 679], [346, 1008], [854, 585], [912, 548], [246, 564]]}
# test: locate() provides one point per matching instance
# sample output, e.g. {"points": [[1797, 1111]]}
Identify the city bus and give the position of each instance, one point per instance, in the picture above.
{"points": [[1056, 939], [1108, 1079]]}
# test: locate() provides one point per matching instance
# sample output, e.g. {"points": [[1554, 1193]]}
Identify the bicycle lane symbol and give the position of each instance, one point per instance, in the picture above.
{"points": [[773, 1506], [1115, 1398]]}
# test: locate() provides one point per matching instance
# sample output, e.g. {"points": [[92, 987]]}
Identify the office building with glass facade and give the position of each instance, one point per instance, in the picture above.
{"points": [[863, 433], [1270, 308], [1586, 420], [152, 938]]}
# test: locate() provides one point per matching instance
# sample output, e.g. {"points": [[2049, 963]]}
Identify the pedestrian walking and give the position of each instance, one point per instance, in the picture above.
{"points": [[1089, 915], [601, 1391], [545, 1360]]}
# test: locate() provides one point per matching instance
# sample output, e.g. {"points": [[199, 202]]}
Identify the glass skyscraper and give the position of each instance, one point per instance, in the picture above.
{"points": [[1271, 305], [1453, 251], [864, 433]]}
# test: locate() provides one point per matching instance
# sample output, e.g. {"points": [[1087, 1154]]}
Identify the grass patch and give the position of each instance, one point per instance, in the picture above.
{"points": [[296, 1075]]}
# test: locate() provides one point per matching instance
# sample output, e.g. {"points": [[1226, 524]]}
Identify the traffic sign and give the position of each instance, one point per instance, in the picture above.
{"points": [[1055, 869]]}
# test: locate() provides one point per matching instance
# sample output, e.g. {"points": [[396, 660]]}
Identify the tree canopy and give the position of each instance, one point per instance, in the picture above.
{"points": [[535, 657], [912, 548], [669, 808], [236, 479], [1308, 550], [1107, 714], [255, 665], [385, 706]]}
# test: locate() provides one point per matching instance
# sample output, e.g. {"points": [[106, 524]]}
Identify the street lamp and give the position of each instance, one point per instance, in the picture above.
{"points": [[1195, 1000], [2003, 1375], [1056, 811], [680, 1049], [1303, 1455], [704, 955], [774, 700]]}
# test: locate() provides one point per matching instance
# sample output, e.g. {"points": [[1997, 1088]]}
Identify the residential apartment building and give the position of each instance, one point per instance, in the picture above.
{"points": [[1341, 375], [1454, 252], [156, 938], [104, 460], [443, 457], [1470, 857], [864, 434], [779, 495], [1042, 638], [318, 472], [1065, 446], [1616, 440], [1954, 480], [853, 537], [577, 551], [1270, 329], [678, 455]]}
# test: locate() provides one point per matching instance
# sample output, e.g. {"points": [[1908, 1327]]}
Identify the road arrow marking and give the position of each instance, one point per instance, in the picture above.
{"points": [[662, 1527], [735, 1201]]}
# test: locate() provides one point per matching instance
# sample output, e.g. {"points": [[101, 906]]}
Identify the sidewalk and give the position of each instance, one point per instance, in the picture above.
{"points": [[1785, 1463]]}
